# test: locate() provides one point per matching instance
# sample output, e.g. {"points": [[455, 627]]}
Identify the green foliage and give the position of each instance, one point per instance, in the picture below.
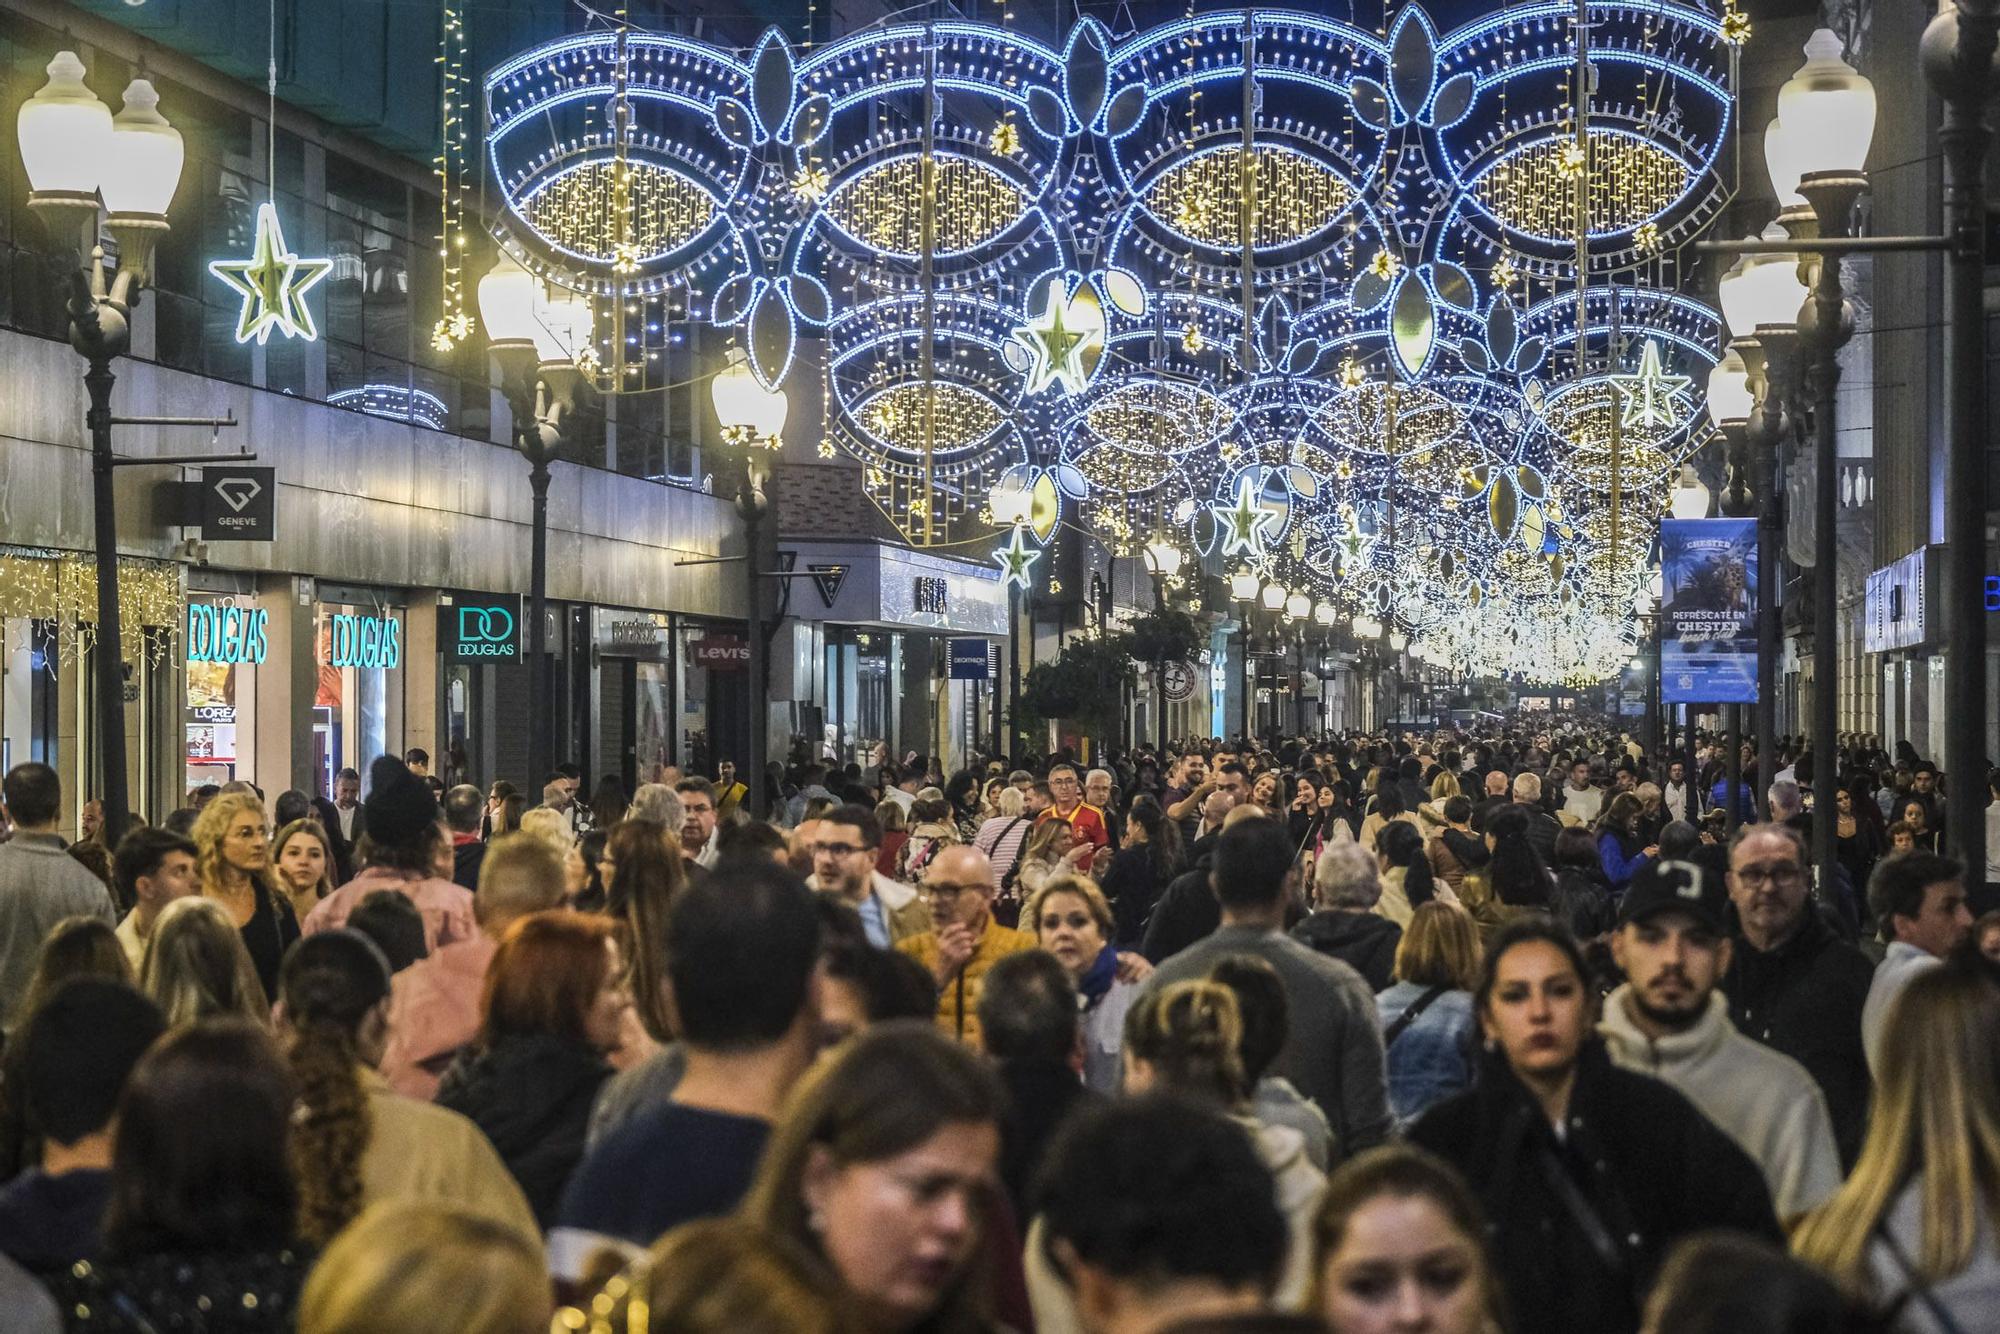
{"points": [[1166, 634], [1085, 685]]}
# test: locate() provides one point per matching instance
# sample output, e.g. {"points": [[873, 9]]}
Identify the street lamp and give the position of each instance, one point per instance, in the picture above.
{"points": [[1012, 504], [74, 151], [1760, 296], [1164, 559], [752, 415], [1829, 113], [1690, 497], [533, 338]]}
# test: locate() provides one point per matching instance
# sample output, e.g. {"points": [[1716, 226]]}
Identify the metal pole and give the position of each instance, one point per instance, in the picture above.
{"points": [[541, 734], [1012, 746], [1734, 741], [751, 503], [1832, 196], [1160, 679], [1768, 433], [110, 652], [1958, 58]]}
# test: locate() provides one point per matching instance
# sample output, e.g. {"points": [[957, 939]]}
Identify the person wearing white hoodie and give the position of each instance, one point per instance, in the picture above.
{"points": [[1669, 1021]]}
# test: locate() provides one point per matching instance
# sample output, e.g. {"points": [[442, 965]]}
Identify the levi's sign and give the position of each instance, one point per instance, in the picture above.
{"points": [[722, 651], [481, 629]]}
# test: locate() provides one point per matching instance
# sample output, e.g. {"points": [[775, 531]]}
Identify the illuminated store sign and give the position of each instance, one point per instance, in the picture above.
{"points": [[364, 641], [227, 634]]}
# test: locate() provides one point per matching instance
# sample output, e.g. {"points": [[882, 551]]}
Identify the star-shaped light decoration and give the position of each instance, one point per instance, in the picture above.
{"points": [[1016, 558], [1243, 523], [1064, 341], [1649, 394], [273, 283]]}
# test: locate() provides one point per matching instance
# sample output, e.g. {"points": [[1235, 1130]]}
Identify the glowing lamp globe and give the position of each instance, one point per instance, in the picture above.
{"points": [[1690, 497], [1298, 606], [508, 297], [1828, 109], [1273, 597], [142, 164], [65, 132], [1730, 400], [1324, 614], [741, 401], [1784, 159], [1243, 586], [562, 325], [1762, 291], [1163, 558], [1398, 641]]}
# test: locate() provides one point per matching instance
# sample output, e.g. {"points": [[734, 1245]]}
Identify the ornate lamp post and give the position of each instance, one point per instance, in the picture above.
{"points": [[1012, 507], [1164, 559], [75, 151], [533, 336], [753, 425], [1243, 588], [1760, 298], [1828, 111]]}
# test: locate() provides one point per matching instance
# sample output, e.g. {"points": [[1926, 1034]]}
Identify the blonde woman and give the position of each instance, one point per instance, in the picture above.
{"points": [[418, 1264], [552, 828], [1914, 1227], [197, 968], [1430, 815], [304, 857], [232, 840]]}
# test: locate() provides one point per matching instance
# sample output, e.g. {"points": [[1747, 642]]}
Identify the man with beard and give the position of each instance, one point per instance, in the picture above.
{"points": [[1668, 1021]]}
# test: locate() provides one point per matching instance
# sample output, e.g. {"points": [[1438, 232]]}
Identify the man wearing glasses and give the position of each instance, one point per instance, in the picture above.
{"points": [[843, 861], [1066, 791], [965, 941], [1793, 984]]}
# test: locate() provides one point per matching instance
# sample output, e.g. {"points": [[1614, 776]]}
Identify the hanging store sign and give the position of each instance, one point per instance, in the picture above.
{"points": [[1177, 682], [481, 629], [723, 652], [239, 504], [220, 632], [1708, 610], [364, 641], [1895, 603], [971, 659]]}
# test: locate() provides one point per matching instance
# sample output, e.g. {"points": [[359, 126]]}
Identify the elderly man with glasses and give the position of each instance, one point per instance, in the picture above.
{"points": [[843, 850], [1793, 983], [965, 941], [1085, 821]]}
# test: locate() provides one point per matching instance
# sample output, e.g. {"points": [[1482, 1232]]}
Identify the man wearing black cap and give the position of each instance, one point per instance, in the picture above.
{"points": [[405, 844], [1668, 1021]]}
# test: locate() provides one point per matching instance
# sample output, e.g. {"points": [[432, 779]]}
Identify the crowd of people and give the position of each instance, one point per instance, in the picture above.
{"points": [[1455, 1032]]}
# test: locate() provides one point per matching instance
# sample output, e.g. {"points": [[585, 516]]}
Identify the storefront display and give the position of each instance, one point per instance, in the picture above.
{"points": [[358, 707]]}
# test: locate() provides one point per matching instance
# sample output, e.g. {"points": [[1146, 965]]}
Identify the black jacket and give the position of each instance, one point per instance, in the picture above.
{"points": [[532, 1097], [1187, 910], [1581, 901], [1647, 1169], [466, 859], [1365, 941], [1133, 887], [1804, 999], [343, 848], [1040, 1097], [1542, 831]]}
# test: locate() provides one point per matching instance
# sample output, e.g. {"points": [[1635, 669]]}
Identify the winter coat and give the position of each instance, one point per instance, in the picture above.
{"points": [[1581, 901], [1805, 999], [531, 1094], [1642, 1169], [1361, 939], [1763, 1100]]}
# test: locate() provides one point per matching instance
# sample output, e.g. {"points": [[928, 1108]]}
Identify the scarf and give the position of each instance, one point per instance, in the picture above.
{"points": [[1097, 980]]}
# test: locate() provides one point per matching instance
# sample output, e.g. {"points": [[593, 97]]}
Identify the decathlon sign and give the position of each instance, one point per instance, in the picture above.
{"points": [[485, 628], [223, 632], [364, 641]]}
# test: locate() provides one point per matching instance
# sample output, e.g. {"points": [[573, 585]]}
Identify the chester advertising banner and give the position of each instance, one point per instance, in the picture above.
{"points": [[1708, 611]]}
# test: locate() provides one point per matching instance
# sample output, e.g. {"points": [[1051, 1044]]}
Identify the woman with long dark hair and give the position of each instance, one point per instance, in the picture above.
{"points": [[1588, 1173], [1407, 883], [356, 1141], [1619, 848], [649, 875], [201, 1231], [1141, 870]]}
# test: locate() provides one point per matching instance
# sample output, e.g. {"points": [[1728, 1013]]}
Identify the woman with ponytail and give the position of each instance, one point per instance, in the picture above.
{"points": [[354, 1140], [1187, 1039], [1407, 883]]}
